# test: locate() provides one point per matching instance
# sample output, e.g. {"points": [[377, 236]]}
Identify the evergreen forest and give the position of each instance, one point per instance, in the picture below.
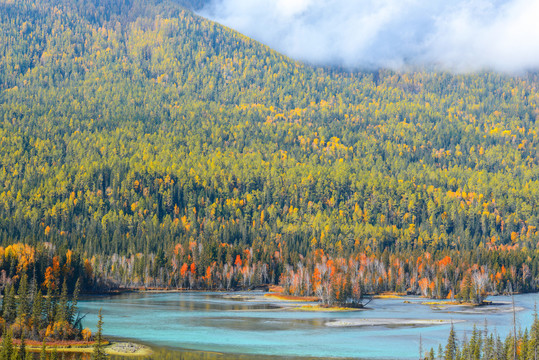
{"points": [[142, 146]]}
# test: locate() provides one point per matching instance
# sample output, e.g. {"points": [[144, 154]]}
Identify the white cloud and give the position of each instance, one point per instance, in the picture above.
{"points": [[459, 35]]}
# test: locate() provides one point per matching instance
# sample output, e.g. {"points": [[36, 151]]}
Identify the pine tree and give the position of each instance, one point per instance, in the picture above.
{"points": [[451, 347], [534, 336], [23, 307], [9, 312], [7, 344], [62, 310], [5, 291], [49, 306], [510, 349], [489, 351], [515, 346], [74, 309], [32, 289], [465, 350], [21, 355], [37, 312], [99, 353], [475, 344], [524, 344], [500, 349], [43, 354], [54, 354]]}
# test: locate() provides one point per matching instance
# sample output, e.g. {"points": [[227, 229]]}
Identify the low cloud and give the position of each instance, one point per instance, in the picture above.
{"points": [[457, 35]]}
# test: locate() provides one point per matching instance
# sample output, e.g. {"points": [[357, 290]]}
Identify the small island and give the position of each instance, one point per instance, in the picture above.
{"points": [[280, 294]]}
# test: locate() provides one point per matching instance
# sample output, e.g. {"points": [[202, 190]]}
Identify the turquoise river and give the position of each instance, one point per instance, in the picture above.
{"points": [[249, 323]]}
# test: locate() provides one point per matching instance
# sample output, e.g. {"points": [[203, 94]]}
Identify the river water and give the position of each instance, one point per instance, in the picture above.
{"points": [[248, 323]]}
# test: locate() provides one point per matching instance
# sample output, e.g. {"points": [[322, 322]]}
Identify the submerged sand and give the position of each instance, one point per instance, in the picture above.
{"points": [[389, 322], [488, 310]]}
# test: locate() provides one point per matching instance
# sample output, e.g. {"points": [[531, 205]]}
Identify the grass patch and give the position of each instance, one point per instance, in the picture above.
{"points": [[320, 308], [119, 349], [282, 297], [455, 303], [388, 296]]}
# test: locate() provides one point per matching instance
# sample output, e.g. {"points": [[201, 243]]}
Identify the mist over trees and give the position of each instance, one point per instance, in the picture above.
{"points": [[457, 36]]}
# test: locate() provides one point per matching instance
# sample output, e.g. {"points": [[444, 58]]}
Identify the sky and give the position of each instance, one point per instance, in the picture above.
{"points": [[453, 35]]}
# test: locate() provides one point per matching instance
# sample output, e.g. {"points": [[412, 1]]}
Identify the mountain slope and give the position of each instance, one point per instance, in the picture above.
{"points": [[131, 127]]}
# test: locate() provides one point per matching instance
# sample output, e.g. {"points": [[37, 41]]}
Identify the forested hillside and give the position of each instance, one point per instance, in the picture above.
{"points": [[171, 151]]}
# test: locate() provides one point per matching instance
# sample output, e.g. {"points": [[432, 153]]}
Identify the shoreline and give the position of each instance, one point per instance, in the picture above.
{"points": [[277, 291]]}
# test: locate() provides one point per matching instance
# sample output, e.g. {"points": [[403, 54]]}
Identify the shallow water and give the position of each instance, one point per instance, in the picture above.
{"points": [[217, 322]]}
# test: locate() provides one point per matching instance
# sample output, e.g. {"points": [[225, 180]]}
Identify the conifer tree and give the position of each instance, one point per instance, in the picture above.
{"points": [[500, 349], [475, 344], [12, 267], [489, 352], [451, 347], [21, 354], [74, 301], [524, 344], [534, 336], [48, 307], [510, 348], [54, 353], [10, 309], [37, 312], [464, 353], [22, 301], [7, 344], [5, 292], [43, 353], [61, 313], [32, 289], [99, 353]]}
